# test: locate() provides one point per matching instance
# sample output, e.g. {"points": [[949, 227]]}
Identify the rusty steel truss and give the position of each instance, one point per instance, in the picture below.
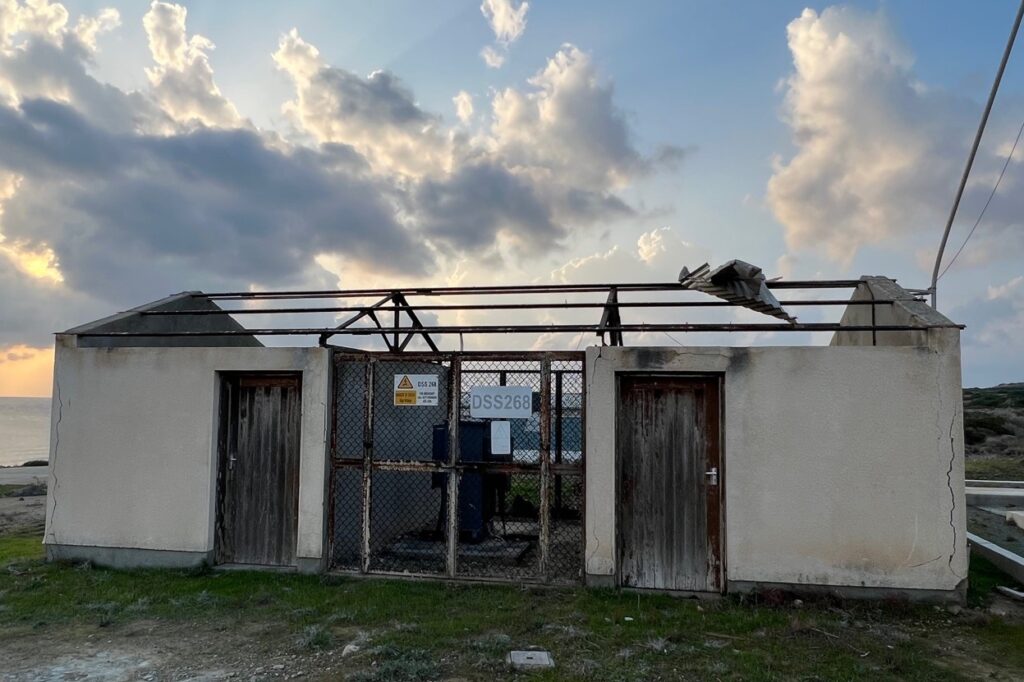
{"points": [[396, 316]]}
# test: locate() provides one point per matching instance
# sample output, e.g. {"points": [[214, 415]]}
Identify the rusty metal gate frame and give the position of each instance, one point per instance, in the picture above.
{"points": [[454, 468]]}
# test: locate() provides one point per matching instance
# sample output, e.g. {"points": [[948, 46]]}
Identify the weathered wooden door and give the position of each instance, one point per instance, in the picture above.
{"points": [[259, 469], [669, 475]]}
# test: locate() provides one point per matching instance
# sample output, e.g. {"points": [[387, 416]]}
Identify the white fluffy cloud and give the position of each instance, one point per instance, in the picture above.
{"points": [[182, 79], [508, 21], [567, 125], [878, 152], [376, 115], [550, 161], [463, 106], [492, 56], [37, 17]]}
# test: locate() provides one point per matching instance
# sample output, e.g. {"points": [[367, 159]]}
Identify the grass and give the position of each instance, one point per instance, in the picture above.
{"points": [[994, 468], [426, 630]]}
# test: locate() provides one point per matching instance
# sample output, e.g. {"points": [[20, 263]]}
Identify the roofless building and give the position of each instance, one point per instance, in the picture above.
{"points": [[389, 448]]}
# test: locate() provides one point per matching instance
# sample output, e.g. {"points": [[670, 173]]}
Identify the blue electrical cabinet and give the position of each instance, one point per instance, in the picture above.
{"points": [[480, 494]]}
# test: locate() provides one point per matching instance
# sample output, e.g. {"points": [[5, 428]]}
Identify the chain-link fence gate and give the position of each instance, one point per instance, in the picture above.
{"points": [[422, 484]]}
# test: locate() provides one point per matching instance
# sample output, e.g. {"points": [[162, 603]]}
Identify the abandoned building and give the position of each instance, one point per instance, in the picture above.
{"points": [[179, 438]]}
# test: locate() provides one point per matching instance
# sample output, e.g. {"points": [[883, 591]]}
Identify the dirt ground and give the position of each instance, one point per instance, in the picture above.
{"points": [[152, 650], [22, 514]]}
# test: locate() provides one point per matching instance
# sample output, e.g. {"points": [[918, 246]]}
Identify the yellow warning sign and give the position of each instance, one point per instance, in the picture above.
{"points": [[416, 389], [405, 397]]}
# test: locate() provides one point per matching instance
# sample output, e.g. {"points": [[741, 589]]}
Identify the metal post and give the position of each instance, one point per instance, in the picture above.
{"points": [[397, 325], [367, 465], [974, 151], [545, 465], [558, 439], [454, 410]]}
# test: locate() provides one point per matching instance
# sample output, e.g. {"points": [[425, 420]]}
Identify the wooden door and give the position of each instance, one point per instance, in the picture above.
{"points": [[259, 469], [669, 477]]}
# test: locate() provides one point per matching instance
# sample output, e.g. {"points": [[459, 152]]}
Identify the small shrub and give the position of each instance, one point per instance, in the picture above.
{"points": [[400, 665], [205, 598], [106, 611], [316, 637]]}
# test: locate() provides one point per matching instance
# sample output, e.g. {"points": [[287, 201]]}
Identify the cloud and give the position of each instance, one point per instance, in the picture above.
{"points": [[469, 209], [1006, 290], [111, 197], [89, 28], [38, 17], [878, 152], [569, 125], [48, 60], [995, 325], [549, 163], [376, 115], [209, 205], [182, 79], [463, 106], [508, 21], [658, 256], [493, 57]]}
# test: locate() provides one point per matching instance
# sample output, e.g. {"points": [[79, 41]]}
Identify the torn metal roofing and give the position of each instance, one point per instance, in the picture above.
{"points": [[739, 283]]}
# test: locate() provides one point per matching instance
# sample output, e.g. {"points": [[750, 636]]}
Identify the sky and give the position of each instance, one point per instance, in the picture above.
{"points": [[147, 149]]}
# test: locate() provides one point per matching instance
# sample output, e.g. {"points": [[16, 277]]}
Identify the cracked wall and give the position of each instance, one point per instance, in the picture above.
{"points": [[843, 465]]}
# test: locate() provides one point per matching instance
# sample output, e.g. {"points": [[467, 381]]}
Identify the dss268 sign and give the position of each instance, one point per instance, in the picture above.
{"points": [[501, 402]]}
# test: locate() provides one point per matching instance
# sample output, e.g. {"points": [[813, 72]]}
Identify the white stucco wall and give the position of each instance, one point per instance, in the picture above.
{"points": [[133, 444], [843, 466]]}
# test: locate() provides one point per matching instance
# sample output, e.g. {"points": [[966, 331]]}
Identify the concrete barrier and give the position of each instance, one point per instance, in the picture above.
{"points": [[1004, 559]]}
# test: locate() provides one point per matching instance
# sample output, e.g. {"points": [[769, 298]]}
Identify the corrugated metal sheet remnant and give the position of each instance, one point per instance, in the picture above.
{"points": [[738, 282]]}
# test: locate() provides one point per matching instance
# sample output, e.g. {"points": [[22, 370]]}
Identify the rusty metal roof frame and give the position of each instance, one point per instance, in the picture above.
{"points": [[398, 333]]}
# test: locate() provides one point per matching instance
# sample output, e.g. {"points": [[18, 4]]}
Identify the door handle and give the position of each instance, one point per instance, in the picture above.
{"points": [[712, 476], [231, 462]]}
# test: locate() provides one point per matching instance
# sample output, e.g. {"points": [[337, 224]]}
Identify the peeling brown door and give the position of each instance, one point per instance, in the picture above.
{"points": [[669, 476], [259, 469]]}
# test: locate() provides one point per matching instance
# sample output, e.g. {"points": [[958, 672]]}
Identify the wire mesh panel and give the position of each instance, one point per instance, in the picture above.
{"points": [[499, 525], [565, 550], [567, 412], [347, 514], [349, 409], [525, 431], [407, 514], [516, 511], [403, 428]]}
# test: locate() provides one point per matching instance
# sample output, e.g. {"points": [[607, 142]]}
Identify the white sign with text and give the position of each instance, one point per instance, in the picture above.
{"points": [[501, 402]]}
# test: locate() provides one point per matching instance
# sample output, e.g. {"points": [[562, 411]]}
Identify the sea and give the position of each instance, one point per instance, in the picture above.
{"points": [[24, 430]]}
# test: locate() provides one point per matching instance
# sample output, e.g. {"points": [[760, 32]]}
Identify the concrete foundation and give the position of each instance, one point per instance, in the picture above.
{"points": [[127, 557], [957, 595]]}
